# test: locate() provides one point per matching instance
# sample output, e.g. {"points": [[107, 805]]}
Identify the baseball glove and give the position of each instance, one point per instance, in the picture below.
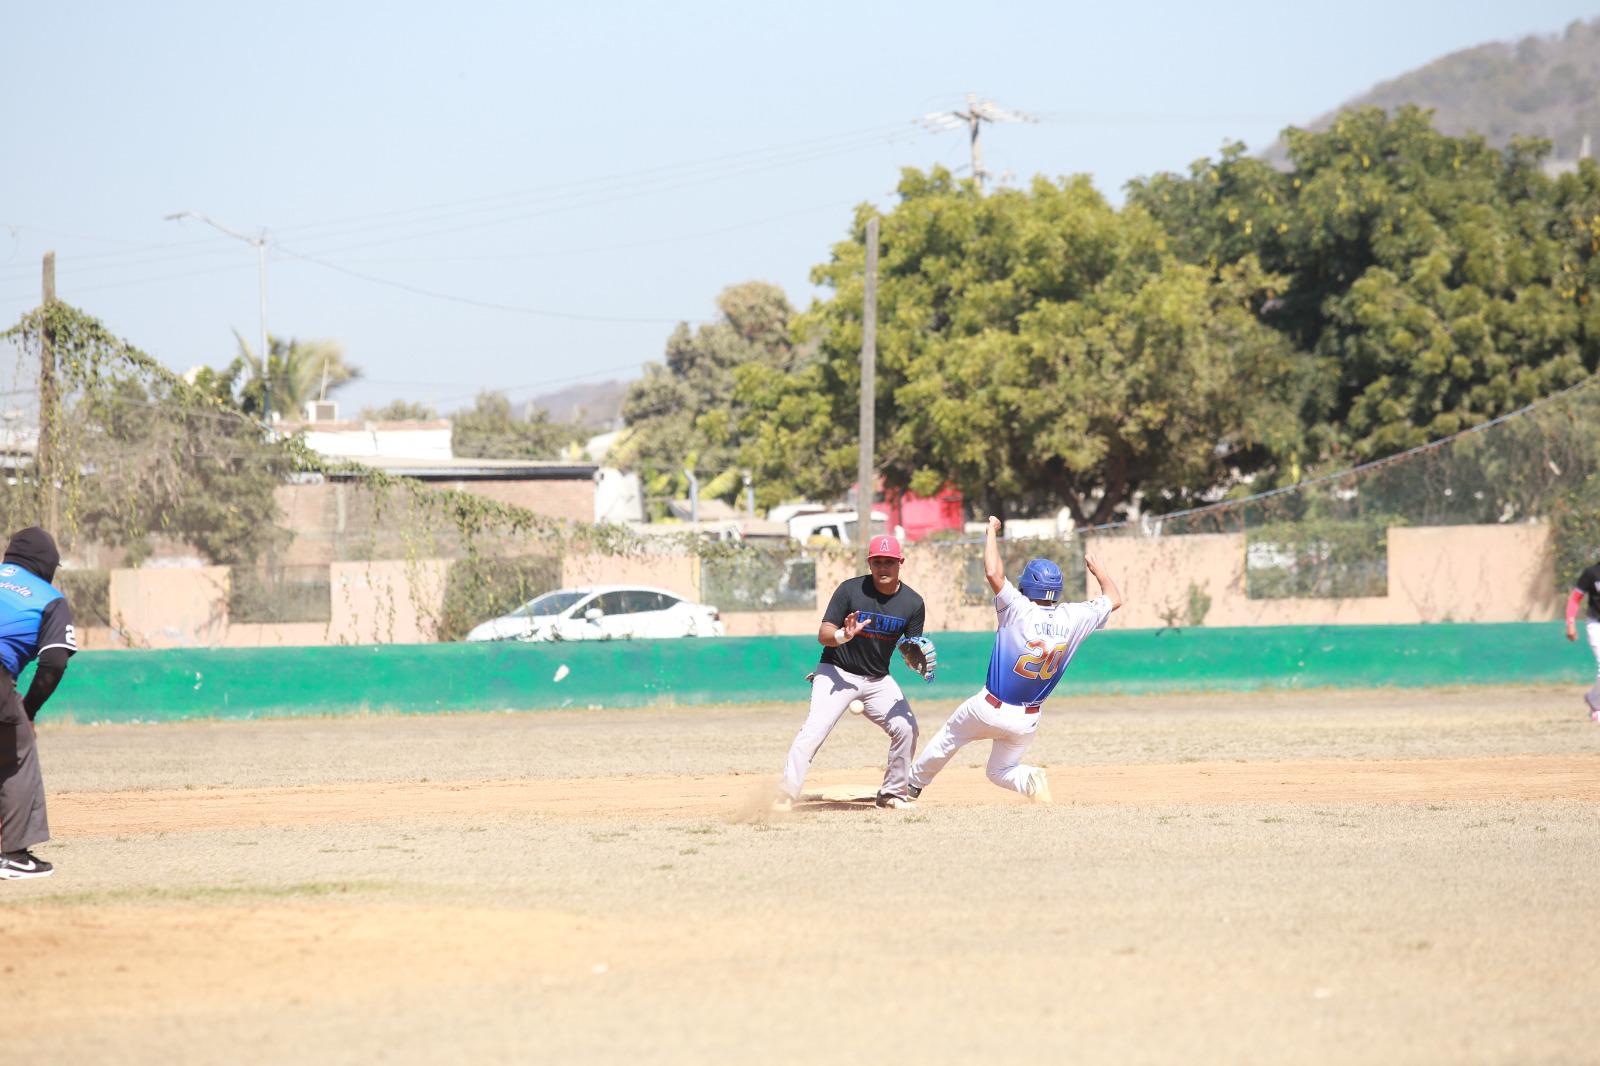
{"points": [[920, 655]]}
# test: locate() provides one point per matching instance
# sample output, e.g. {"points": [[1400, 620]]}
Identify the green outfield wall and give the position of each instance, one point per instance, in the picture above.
{"points": [[171, 685]]}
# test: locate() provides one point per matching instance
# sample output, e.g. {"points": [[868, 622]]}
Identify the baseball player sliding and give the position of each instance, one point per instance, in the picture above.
{"points": [[866, 620], [1036, 640]]}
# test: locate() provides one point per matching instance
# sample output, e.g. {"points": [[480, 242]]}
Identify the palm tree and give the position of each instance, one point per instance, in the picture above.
{"points": [[299, 371]]}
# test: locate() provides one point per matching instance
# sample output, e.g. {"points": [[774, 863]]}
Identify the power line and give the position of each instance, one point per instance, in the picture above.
{"points": [[132, 282], [563, 206], [561, 196], [831, 143], [185, 251], [471, 302], [144, 253], [678, 238]]}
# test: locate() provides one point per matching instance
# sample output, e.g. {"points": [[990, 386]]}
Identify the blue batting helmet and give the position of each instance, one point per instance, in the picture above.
{"points": [[1041, 580]]}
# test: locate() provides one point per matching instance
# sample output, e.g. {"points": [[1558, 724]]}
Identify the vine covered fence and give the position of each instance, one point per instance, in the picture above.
{"points": [[134, 465]]}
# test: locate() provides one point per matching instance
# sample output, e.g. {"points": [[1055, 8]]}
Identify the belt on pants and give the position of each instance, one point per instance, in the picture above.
{"points": [[996, 701]]}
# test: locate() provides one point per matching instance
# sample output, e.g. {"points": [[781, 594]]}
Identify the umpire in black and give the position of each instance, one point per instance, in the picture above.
{"points": [[35, 622]]}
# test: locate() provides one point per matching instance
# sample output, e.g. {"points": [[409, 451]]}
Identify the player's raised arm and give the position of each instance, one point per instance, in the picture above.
{"points": [[1108, 587], [993, 568]]}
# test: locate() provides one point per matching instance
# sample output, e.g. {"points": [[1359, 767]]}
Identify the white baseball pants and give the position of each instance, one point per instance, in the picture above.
{"points": [[832, 689], [1008, 725]]}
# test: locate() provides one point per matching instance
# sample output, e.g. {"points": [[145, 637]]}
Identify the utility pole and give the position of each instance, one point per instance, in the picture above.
{"points": [[694, 498], [972, 119], [44, 448], [866, 481]]}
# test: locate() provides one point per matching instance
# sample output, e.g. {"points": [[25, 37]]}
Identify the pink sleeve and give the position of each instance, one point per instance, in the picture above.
{"points": [[1572, 605]]}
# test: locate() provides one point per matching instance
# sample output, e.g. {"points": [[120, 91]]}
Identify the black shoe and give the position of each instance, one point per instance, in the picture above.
{"points": [[893, 802], [914, 792], [16, 865]]}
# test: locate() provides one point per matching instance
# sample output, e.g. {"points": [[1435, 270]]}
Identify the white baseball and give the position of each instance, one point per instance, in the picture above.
{"points": [[561, 671], [856, 707]]}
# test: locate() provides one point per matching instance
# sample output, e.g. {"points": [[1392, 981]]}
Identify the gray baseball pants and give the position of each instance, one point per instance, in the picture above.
{"points": [[22, 818], [832, 689]]}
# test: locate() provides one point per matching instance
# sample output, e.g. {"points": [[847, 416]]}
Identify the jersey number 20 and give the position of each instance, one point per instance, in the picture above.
{"points": [[1041, 662]]}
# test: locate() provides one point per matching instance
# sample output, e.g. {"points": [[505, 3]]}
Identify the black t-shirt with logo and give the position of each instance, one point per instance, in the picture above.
{"points": [[888, 619], [1589, 584]]}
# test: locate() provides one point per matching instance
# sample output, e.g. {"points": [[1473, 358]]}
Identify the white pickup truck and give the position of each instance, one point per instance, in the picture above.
{"points": [[838, 525]]}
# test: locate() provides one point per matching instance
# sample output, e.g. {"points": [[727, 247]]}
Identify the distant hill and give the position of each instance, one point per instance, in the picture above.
{"points": [[1541, 86], [598, 407]]}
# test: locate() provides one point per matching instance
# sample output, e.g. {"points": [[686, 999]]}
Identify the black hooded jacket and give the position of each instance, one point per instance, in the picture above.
{"points": [[35, 551]]}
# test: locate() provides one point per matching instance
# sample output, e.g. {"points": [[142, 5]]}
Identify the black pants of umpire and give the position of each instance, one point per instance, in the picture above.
{"points": [[22, 817]]}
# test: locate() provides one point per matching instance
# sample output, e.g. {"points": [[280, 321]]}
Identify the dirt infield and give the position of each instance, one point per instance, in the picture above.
{"points": [[1312, 877]]}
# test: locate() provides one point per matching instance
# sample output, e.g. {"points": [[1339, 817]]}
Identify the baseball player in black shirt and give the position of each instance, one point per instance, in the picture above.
{"points": [[865, 621]]}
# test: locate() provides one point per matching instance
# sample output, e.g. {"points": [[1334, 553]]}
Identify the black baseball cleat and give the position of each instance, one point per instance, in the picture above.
{"points": [[16, 865], [892, 802], [913, 791]]}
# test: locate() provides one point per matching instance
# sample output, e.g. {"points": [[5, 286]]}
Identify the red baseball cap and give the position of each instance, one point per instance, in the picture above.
{"points": [[884, 546]]}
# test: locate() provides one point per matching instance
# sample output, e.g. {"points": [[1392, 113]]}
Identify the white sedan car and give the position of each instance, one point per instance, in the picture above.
{"points": [[603, 612]]}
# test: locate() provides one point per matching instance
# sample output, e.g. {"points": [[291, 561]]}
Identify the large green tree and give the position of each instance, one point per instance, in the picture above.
{"points": [[1038, 348], [1437, 281], [687, 411]]}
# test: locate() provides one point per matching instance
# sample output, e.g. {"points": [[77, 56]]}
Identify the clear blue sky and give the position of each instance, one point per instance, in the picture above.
{"points": [[622, 162]]}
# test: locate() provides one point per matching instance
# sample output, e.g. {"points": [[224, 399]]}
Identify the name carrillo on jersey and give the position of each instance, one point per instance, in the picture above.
{"points": [[1050, 627]]}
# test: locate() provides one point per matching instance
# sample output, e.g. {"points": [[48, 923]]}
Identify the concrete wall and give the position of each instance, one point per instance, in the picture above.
{"points": [[365, 440], [389, 602], [177, 608], [1448, 574], [1442, 574], [1473, 574]]}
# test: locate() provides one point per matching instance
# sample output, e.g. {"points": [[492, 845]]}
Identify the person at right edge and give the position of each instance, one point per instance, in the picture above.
{"points": [[1588, 585], [35, 621]]}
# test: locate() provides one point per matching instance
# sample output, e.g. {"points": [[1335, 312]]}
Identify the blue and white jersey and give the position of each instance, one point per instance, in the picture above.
{"points": [[1035, 644], [33, 616]]}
